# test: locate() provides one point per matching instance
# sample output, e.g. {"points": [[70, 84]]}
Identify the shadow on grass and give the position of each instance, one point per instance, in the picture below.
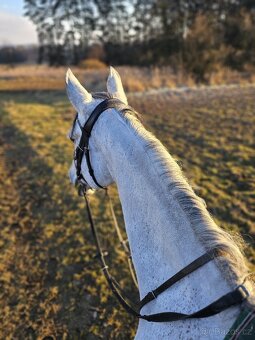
{"points": [[49, 267]]}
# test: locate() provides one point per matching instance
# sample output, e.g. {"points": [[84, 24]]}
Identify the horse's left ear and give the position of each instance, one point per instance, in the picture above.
{"points": [[114, 85], [77, 94]]}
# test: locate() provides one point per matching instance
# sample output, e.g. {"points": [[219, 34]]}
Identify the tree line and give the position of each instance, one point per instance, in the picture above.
{"points": [[196, 35]]}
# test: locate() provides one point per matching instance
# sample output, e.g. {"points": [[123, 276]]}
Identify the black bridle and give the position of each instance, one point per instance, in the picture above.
{"points": [[237, 296], [83, 146]]}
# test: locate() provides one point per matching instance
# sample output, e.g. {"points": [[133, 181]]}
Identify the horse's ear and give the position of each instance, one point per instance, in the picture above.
{"points": [[77, 94], [114, 85]]}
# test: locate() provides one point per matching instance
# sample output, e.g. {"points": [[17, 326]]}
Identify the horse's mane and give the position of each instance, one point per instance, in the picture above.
{"points": [[233, 263]]}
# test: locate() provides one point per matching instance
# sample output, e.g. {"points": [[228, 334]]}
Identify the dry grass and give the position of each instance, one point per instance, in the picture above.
{"points": [[33, 77], [51, 285]]}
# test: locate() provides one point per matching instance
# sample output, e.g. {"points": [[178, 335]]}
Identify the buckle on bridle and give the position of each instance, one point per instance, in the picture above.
{"points": [[81, 187], [244, 292], [153, 294], [104, 268], [78, 147]]}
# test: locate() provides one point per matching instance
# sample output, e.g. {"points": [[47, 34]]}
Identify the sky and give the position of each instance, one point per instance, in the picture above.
{"points": [[15, 29]]}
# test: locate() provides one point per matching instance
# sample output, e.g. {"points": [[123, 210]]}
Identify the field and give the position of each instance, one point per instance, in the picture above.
{"points": [[51, 284]]}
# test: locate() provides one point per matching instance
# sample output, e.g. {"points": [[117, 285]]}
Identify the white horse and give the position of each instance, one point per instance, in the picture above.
{"points": [[167, 225]]}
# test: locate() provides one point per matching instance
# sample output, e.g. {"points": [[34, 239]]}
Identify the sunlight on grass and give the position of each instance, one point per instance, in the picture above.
{"points": [[52, 285]]}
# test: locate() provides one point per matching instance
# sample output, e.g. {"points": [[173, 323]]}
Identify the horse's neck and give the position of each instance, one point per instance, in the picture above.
{"points": [[161, 238]]}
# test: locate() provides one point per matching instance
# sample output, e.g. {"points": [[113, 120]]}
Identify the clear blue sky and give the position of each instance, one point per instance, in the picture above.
{"points": [[12, 6], [15, 29]]}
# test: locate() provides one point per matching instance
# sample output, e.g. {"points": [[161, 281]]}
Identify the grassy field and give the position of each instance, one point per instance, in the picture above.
{"points": [[51, 286], [135, 79]]}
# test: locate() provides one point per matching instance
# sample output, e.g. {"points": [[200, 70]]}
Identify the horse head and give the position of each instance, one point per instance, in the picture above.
{"points": [[84, 103]]}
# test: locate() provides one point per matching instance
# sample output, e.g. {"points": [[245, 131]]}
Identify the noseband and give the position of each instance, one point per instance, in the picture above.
{"points": [[237, 296]]}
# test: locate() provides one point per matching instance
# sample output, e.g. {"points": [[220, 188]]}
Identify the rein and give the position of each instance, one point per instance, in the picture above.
{"points": [[236, 296]]}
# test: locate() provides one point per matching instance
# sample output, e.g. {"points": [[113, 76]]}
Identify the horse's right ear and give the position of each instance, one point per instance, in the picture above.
{"points": [[77, 94], [114, 86]]}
